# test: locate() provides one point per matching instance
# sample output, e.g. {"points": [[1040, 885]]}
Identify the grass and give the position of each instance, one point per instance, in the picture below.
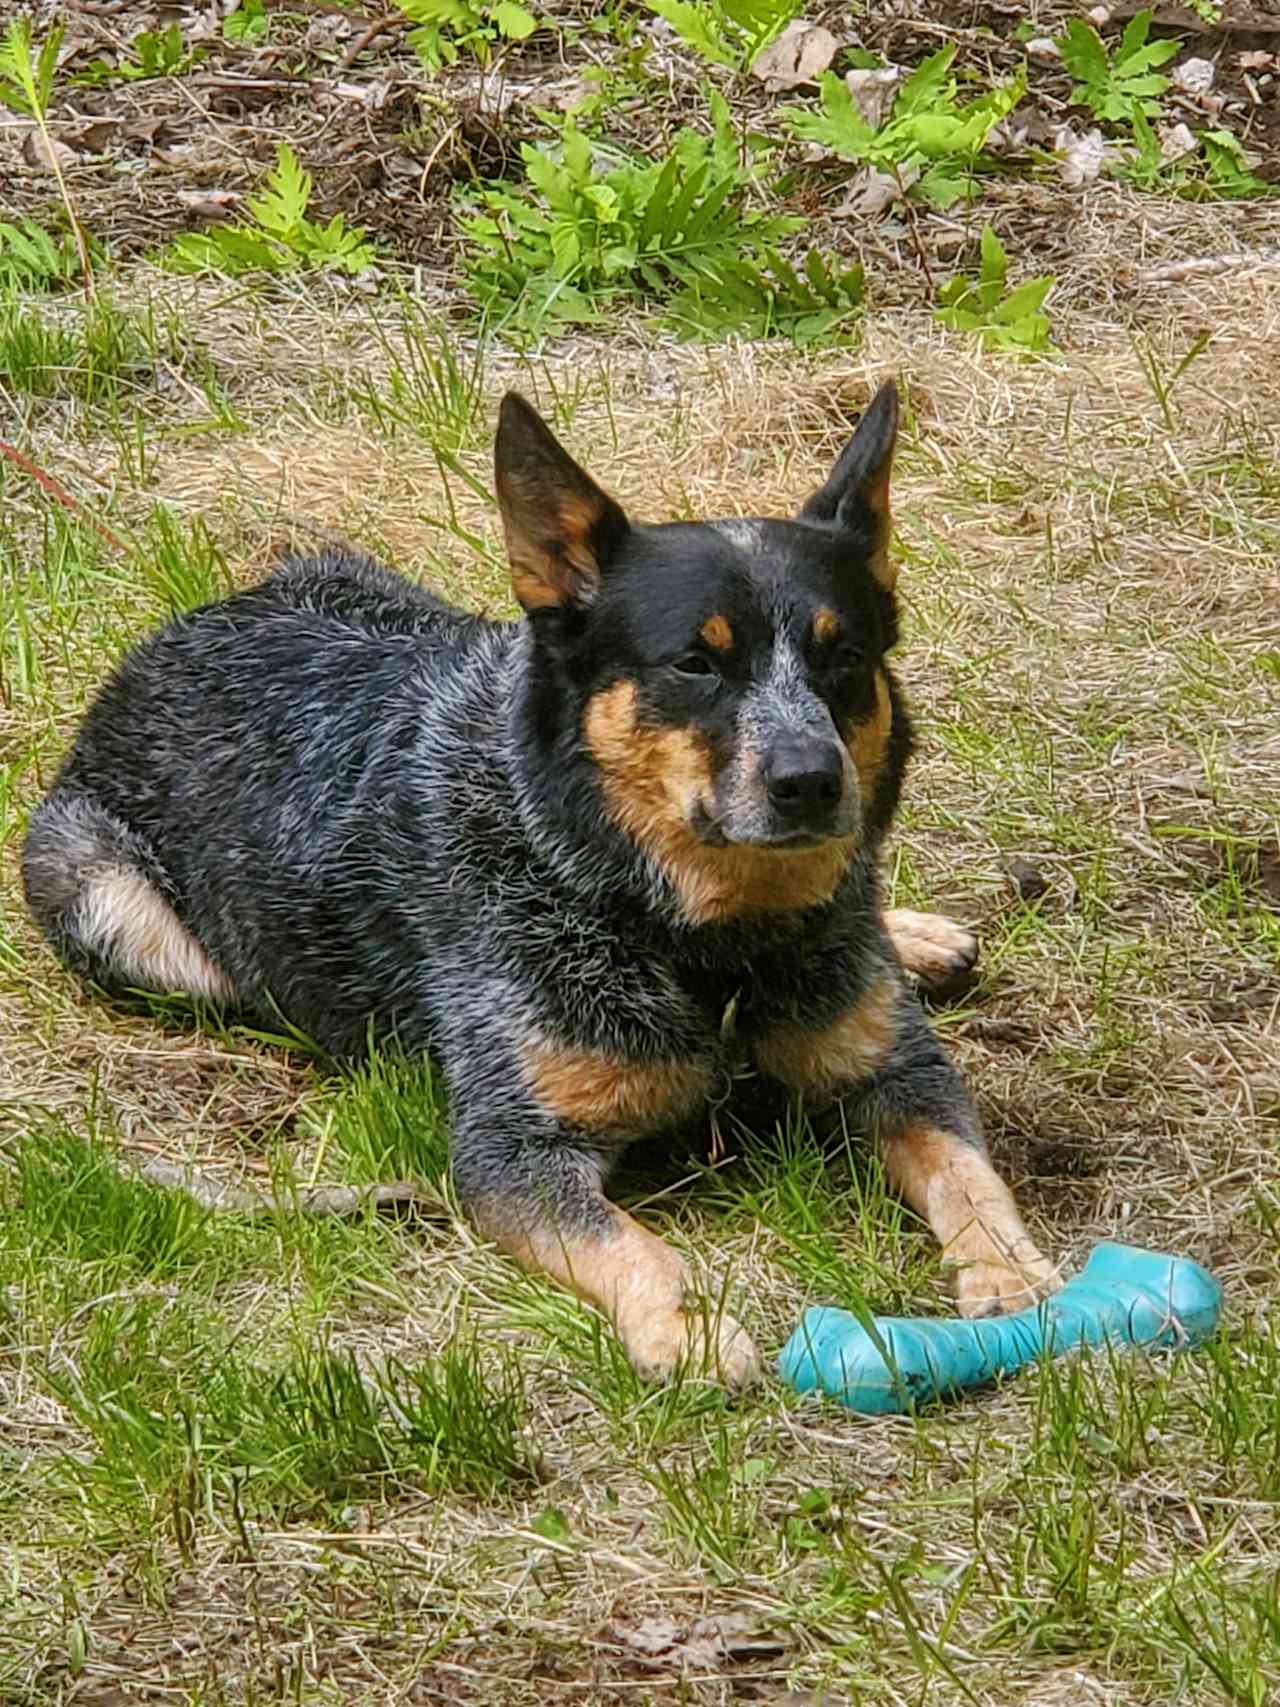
{"points": [[278, 1457]]}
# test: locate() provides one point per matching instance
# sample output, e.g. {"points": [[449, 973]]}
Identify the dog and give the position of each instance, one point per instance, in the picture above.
{"points": [[582, 858]]}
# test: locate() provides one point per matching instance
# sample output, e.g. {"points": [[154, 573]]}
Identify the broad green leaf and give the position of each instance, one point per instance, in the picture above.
{"points": [[1083, 53], [994, 266], [1024, 300], [514, 22], [695, 26], [928, 85]]}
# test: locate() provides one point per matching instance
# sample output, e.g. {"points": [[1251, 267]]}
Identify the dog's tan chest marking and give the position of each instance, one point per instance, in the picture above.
{"points": [[653, 780], [605, 1093], [124, 919], [848, 1050]]}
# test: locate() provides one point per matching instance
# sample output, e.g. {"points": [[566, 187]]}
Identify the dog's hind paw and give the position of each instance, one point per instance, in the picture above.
{"points": [[935, 949], [710, 1345]]}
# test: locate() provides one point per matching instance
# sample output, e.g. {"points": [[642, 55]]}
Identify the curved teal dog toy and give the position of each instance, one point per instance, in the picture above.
{"points": [[1123, 1296]]}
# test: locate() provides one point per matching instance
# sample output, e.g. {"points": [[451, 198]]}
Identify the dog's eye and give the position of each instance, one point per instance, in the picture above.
{"points": [[693, 664]]}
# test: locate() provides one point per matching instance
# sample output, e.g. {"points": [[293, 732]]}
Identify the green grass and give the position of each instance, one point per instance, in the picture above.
{"points": [[272, 1456], [170, 1407]]}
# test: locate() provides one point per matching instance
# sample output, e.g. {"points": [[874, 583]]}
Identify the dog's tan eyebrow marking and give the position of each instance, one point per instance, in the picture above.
{"points": [[850, 1048], [717, 632], [826, 625]]}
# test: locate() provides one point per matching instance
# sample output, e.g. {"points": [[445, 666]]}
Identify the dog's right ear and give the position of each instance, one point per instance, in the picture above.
{"points": [[855, 498], [561, 528]]}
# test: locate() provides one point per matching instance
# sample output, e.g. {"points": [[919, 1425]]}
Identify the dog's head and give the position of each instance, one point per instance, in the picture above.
{"points": [[727, 678]]}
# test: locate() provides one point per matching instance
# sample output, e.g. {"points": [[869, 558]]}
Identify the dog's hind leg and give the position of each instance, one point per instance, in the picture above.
{"points": [[95, 888]]}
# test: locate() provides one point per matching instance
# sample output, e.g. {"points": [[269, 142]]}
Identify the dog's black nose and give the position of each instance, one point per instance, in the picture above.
{"points": [[804, 779]]}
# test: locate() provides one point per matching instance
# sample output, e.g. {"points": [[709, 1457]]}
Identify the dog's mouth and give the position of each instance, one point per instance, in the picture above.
{"points": [[715, 832]]}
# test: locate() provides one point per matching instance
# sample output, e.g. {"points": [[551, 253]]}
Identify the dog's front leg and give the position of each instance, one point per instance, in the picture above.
{"points": [[537, 1192], [880, 1060]]}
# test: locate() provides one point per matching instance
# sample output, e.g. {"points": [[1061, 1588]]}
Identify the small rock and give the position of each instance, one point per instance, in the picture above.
{"points": [[1028, 879], [1194, 76]]}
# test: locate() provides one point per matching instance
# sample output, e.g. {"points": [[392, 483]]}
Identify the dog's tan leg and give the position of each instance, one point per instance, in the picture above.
{"points": [[932, 947], [950, 1183], [642, 1286]]}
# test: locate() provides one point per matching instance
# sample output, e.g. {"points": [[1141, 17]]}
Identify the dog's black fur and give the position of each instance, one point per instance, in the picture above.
{"points": [[556, 853]]}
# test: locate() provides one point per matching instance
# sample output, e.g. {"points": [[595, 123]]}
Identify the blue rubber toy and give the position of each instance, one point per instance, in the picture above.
{"points": [[1122, 1296]]}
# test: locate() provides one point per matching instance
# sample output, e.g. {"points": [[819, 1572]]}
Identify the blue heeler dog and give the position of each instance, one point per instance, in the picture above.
{"points": [[556, 853]]}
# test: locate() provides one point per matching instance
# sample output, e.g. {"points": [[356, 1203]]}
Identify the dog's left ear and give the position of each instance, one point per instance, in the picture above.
{"points": [[855, 498], [561, 528]]}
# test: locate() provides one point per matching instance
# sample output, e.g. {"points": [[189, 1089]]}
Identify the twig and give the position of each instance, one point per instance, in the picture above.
{"points": [[404, 1197], [390, 25], [23, 74], [912, 227], [60, 494], [1206, 266]]}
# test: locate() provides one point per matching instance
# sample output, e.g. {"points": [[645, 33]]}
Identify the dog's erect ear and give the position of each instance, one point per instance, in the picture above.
{"points": [[561, 528], [856, 495]]}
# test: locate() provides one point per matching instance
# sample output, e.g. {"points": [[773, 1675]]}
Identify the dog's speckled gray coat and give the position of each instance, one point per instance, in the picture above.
{"points": [[340, 786]]}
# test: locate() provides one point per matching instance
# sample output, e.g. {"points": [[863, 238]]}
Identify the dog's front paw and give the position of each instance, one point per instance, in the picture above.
{"points": [[709, 1345], [991, 1282], [933, 948]]}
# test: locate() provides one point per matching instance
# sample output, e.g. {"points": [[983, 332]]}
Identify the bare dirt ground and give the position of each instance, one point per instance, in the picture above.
{"points": [[389, 145]]}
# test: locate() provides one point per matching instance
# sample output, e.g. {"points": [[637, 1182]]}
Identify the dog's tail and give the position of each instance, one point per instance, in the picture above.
{"points": [[99, 894]]}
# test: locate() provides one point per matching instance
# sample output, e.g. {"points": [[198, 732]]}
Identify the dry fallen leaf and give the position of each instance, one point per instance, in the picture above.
{"points": [[1175, 141], [149, 130], [1083, 157], [47, 156], [1025, 128], [97, 135], [1257, 61], [210, 204], [871, 192], [703, 1644], [873, 92], [371, 95], [1044, 47], [800, 54]]}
